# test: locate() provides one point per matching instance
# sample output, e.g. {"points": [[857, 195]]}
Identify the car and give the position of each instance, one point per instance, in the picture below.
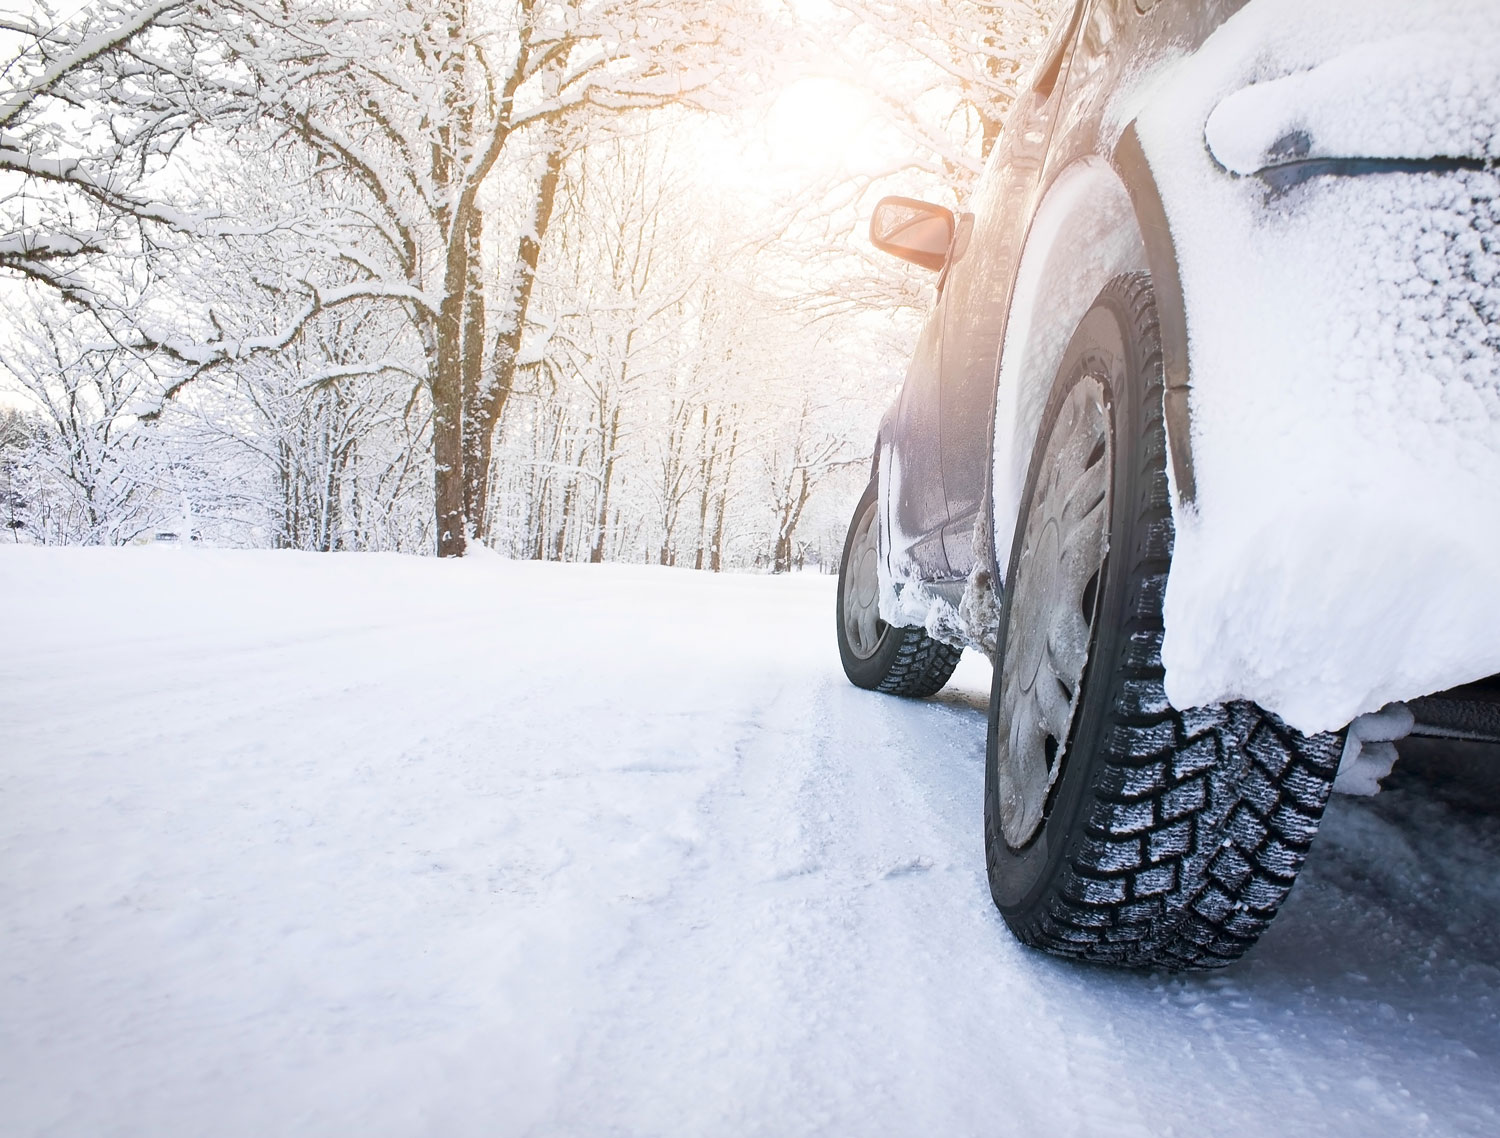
{"points": [[1199, 445]]}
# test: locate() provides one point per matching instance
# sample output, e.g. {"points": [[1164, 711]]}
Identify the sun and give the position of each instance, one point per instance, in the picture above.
{"points": [[823, 126], [815, 131]]}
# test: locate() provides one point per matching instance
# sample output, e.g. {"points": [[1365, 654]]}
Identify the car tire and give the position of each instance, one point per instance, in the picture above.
{"points": [[876, 655], [1119, 829]]}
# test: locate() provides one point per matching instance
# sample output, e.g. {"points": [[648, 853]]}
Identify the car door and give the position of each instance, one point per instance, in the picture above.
{"points": [[977, 290]]}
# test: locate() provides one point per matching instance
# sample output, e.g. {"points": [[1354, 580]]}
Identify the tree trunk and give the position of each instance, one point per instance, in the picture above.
{"points": [[447, 370], [716, 551], [560, 542], [601, 529], [329, 488], [488, 393], [791, 514], [705, 480], [476, 441], [285, 538], [447, 419]]}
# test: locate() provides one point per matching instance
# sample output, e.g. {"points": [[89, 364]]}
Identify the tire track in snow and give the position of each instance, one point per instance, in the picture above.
{"points": [[1089, 1092], [803, 970], [685, 998]]}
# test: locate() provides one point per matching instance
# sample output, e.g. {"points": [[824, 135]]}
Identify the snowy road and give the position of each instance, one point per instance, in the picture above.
{"points": [[301, 845]]}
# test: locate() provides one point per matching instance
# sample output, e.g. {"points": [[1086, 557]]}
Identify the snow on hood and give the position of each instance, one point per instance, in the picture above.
{"points": [[1421, 96], [1344, 346]]}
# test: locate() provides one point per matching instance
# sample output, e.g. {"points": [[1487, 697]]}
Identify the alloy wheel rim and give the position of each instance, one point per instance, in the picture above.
{"points": [[1054, 606], [863, 628]]}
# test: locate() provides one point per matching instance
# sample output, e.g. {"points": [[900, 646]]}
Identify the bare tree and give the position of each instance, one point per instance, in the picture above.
{"points": [[333, 247], [418, 104], [85, 437], [17, 483], [952, 71], [795, 462]]}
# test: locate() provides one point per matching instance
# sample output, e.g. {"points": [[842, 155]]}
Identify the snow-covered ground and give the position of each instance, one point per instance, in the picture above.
{"points": [[331, 845]]}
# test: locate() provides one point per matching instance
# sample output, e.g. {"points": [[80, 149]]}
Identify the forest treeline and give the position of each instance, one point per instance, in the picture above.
{"points": [[417, 274]]}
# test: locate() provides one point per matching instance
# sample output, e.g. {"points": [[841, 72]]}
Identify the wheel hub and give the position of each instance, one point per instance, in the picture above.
{"points": [[1053, 607], [863, 627]]}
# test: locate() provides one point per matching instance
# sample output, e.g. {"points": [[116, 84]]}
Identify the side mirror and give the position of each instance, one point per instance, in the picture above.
{"points": [[915, 231]]}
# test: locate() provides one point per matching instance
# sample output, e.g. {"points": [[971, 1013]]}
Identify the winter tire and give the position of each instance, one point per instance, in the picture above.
{"points": [[1119, 829], [876, 655]]}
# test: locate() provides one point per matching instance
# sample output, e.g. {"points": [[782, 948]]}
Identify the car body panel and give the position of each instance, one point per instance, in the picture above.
{"points": [[975, 306], [956, 357], [919, 508], [1049, 184]]}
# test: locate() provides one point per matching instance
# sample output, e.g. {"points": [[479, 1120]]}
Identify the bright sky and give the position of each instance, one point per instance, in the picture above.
{"points": [[823, 126], [814, 135]]}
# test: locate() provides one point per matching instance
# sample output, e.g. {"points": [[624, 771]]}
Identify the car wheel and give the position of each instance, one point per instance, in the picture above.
{"points": [[876, 655], [1119, 829]]}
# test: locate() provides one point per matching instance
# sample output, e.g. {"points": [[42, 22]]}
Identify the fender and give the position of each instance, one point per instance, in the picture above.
{"points": [[1083, 233], [1171, 310]]}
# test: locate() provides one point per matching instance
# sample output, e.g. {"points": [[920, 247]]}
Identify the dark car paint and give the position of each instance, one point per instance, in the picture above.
{"points": [[941, 429]]}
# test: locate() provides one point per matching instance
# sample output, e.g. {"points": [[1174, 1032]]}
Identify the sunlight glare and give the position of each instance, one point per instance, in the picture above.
{"points": [[822, 125]]}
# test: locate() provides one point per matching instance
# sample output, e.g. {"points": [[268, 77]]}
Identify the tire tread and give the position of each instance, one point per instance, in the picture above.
{"points": [[1199, 819], [906, 661], [922, 665]]}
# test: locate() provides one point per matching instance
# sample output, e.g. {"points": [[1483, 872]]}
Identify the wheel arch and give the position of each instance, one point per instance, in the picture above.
{"points": [[1171, 307], [1096, 220]]}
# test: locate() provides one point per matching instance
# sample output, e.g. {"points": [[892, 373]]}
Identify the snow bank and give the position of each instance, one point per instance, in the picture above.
{"points": [[1344, 338]]}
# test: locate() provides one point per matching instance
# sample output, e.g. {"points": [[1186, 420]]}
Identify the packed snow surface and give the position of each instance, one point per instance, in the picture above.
{"points": [[349, 844], [1344, 346]]}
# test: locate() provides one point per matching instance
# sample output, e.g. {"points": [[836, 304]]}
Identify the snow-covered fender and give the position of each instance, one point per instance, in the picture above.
{"points": [[1326, 181], [1096, 220], [1161, 261], [1083, 232]]}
